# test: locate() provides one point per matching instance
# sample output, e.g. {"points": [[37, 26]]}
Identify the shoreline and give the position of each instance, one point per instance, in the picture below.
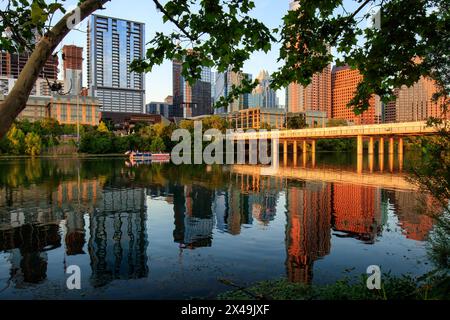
{"points": [[67, 156]]}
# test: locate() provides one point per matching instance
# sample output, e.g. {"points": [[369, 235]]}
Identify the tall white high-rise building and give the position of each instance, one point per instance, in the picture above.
{"points": [[112, 45]]}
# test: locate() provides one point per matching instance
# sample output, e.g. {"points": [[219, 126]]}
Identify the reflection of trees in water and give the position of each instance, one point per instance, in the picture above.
{"points": [[118, 242]]}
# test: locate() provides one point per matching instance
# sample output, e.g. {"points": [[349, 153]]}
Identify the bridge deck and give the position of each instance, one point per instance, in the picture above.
{"points": [[386, 129]]}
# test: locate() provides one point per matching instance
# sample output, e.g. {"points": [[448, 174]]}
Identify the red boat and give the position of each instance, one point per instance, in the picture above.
{"points": [[148, 156]]}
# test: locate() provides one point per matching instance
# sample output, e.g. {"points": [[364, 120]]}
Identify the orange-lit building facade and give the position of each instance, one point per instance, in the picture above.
{"points": [[73, 69], [344, 83], [308, 235], [72, 57], [314, 97], [415, 103], [357, 211], [65, 109], [11, 65]]}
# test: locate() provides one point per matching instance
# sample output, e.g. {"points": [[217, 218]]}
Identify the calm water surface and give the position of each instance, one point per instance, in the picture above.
{"points": [[161, 231]]}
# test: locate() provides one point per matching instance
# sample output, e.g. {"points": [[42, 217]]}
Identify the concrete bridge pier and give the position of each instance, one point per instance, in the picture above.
{"points": [[371, 162], [371, 143], [391, 145], [360, 145], [381, 147], [285, 152], [305, 159], [400, 154], [391, 162], [295, 152], [360, 161], [381, 162]]}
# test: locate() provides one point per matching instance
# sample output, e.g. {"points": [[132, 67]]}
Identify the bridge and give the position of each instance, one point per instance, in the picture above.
{"points": [[382, 132]]}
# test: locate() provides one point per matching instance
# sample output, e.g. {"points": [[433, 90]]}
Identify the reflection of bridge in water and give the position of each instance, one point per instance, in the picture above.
{"points": [[261, 174]]}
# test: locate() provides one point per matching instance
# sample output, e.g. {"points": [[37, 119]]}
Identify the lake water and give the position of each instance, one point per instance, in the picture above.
{"points": [[162, 231]]}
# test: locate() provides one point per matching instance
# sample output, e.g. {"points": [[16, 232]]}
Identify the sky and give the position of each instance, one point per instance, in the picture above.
{"points": [[159, 81]]}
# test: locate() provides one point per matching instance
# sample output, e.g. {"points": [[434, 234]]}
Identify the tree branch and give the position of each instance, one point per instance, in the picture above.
{"points": [[175, 22], [350, 18], [17, 99]]}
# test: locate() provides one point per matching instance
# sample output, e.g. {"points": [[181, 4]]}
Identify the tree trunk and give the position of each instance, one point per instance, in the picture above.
{"points": [[17, 99]]}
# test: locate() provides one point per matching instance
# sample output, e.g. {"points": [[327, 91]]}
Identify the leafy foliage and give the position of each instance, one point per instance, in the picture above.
{"points": [[413, 40], [33, 144], [297, 122], [24, 21], [393, 288]]}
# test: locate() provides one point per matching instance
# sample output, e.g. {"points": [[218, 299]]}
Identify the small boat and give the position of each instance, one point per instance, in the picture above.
{"points": [[148, 156]]}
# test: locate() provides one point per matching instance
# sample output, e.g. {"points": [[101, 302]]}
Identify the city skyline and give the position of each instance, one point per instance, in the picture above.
{"points": [[159, 81]]}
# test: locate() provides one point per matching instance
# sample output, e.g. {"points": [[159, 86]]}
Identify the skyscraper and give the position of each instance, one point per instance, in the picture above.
{"points": [[263, 96], [73, 69], [314, 97], [191, 100], [415, 103], [345, 82], [11, 65], [223, 86], [112, 45]]}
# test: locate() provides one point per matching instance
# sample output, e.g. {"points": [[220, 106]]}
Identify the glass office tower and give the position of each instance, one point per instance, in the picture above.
{"points": [[112, 45], [191, 100]]}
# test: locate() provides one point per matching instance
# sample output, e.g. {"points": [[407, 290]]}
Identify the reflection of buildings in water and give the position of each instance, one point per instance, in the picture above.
{"points": [[30, 225], [75, 234], [194, 219], [357, 210], [410, 211], [157, 191], [221, 209], [308, 228], [118, 242], [251, 196], [239, 212], [263, 206], [27, 246]]}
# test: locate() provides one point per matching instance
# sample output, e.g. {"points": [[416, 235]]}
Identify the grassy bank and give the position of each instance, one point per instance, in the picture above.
{"points": [[436, 287]]}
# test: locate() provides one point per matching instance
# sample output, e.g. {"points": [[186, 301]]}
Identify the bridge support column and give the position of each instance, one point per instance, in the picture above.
{"points": [[400, 146], [391, 162], [359, 163], [391, 145], [275, 153], [371, 146], [371, 161], [285, 152], [313, 153], [295, 153], [360, 145], [400, 154], [381, 147]]}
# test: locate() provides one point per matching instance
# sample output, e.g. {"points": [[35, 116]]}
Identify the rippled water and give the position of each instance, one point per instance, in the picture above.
{"points": [[161, 231]]}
